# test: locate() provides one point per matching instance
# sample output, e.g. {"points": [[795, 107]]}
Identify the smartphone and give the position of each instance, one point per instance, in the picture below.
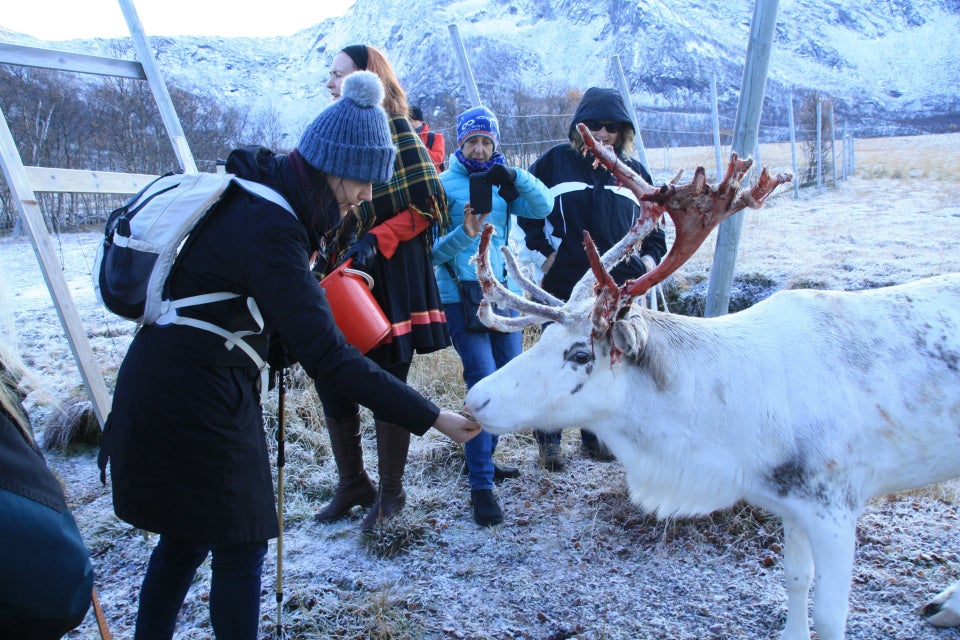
{"points": [[481, 195]]}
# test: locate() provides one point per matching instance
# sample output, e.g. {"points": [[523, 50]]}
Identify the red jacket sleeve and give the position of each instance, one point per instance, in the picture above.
{"points": [[404, 226]]}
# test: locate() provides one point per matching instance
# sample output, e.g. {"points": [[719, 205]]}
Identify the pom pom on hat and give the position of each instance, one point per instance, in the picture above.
{"points": [[351, 138], [478, 121]]}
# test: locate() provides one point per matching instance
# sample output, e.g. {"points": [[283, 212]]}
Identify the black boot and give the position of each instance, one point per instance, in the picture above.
{"points": [[393, 442], [594, 448], [486, 509], [355, 487], [551, 455], [503, 473]]}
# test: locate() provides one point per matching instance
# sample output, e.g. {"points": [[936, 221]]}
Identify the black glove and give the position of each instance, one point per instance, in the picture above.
{"points": [[501, 175], [363, 252]]}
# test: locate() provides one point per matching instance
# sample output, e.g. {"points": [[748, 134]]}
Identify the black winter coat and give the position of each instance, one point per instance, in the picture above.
{"points": [[188, 454], [585, 198]]}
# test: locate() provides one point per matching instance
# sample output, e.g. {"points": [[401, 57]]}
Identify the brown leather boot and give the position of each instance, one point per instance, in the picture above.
{"points": [[393, 442], [355, 487]]}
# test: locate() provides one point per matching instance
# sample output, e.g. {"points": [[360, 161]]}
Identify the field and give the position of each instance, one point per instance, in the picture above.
{"points": [[574, 558]]}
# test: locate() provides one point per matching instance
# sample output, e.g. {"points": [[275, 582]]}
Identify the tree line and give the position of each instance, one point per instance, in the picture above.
{"points": [[101, 123]]}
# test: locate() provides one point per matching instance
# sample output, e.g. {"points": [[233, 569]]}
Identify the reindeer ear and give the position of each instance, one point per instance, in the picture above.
{"points": [[630, 332]]}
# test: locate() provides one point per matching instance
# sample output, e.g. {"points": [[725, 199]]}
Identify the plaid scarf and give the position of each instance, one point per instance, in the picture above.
{"points": [[415, 185]]}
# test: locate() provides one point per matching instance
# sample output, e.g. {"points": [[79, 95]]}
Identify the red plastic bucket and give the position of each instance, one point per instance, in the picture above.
{"points": [[355, 310]]}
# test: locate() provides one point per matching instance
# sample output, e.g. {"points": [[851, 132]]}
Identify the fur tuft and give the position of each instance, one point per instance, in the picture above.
{"points": [[364, 88]]}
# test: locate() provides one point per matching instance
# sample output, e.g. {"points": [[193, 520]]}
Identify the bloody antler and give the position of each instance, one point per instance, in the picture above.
{"points": [[696, 209], [495, 293]]}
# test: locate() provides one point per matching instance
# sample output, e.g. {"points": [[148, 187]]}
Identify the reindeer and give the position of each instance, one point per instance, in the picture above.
{"points": [[807, 404], [944, 609]]}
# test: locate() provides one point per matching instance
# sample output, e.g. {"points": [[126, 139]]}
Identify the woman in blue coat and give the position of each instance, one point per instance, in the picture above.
{"points": [[517, 193], [46, 579], [185, 439]]}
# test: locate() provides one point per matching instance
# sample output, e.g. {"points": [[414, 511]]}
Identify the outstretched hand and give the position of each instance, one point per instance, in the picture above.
{"points": [[456, 427]]}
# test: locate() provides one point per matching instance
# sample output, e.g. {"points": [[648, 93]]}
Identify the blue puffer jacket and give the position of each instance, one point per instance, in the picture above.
{"points": [[456, 248]]}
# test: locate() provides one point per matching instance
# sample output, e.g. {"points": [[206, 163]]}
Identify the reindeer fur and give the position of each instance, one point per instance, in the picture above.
{"points": [[807, 404]]}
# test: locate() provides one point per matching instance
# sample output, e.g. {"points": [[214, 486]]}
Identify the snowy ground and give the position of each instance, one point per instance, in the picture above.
{"points": [[573, 558]]}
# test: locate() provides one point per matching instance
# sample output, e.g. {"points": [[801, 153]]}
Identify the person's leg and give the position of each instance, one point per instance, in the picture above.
{"points": [[235, 590], [476, 354], [594, 448], [354, 486], [393, 444], [506, 347], [170, 572]]}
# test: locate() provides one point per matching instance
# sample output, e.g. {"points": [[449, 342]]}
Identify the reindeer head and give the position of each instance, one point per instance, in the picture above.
{"points": [[599, 325]]}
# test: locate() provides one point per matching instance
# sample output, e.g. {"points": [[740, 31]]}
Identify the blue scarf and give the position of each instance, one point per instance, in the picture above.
{"points": [[474, 166]]}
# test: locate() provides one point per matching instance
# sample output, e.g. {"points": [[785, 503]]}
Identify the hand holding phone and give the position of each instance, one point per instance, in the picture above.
{"points": [[472, 223]]}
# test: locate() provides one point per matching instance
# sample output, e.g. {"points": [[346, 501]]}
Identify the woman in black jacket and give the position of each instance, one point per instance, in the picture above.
{"points": [[185, 441], [587, 197]]}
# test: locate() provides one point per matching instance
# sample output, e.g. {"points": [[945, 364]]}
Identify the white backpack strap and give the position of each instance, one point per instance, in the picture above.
{"points": [[168, 308], [265, 192], [233, 339]]}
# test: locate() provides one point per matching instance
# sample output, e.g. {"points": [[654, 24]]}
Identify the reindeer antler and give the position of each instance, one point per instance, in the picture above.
{"points": [[495, 293], [696, 209]]}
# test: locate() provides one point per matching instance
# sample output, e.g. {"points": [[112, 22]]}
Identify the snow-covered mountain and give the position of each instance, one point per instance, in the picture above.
{"points": [[890, 67]]}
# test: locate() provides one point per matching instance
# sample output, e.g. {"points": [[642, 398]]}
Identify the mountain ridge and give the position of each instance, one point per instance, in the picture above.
{"points": [[890, 68]]}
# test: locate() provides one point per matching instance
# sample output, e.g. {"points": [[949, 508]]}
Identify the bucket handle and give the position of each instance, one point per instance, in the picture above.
{"points": [[366, 276]]}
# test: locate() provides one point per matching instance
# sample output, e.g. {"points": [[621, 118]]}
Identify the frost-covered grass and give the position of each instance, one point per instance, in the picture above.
{"points": [[574, 558]]}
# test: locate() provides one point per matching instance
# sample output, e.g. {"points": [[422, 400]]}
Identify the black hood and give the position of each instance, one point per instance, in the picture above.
{"points": [[601, 104]]}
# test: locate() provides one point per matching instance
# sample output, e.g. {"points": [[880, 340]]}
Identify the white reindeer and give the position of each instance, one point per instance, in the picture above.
{"points": [[807, 404], [944, 609]]}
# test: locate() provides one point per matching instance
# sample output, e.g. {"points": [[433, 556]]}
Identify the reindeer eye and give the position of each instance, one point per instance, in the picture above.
{"points": [[578, 354], [581, 356]]}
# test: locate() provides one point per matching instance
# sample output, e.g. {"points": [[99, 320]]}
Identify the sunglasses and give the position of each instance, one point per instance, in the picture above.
{"points": [[611, 127]]}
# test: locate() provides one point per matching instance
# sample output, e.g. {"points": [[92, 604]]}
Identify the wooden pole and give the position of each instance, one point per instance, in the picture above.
{"points": [[833, 142], [793, 149], [819, 144], [25, 199], [628, 102], [716, 126], [745, 136], [159, 88], [465, 70]]}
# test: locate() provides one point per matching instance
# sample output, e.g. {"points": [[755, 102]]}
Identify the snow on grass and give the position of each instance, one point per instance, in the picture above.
{"points": [[574, 558]]}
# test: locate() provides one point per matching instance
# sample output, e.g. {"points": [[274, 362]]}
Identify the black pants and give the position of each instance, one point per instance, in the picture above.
{"points": [[234, 590]]}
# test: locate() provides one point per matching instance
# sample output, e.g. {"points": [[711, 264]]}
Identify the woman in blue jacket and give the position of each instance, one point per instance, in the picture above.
{"points": [[46, 578], [482, 352]]}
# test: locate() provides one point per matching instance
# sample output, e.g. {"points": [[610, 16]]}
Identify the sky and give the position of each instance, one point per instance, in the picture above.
{"points": [[69, 19]]}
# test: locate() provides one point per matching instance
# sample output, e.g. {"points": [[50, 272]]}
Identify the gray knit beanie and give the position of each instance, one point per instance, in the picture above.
{"points": [[351, 138]]}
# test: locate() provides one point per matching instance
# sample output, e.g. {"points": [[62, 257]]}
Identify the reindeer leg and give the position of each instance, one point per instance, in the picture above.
{"points": [[798, 576], [944, 609], [832, 535]]}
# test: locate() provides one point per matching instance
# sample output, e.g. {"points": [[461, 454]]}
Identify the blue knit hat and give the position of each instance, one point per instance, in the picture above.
{"points": [[351, 138], [478, 121]]}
